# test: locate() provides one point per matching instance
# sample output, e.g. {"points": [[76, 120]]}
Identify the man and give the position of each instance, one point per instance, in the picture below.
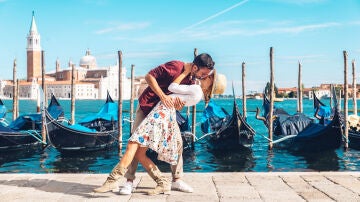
{"points": [[159, 80]]}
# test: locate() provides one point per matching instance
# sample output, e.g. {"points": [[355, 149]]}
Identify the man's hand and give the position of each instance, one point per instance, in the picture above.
{"points": [[167, 101], [178, 104]]}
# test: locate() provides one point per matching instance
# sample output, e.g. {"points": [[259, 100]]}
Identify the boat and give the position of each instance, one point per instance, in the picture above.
{"points": [[279, 99], [300, 133], [94, 132], [353, 121], [225, 131], [2, 110], [354, 137], [24, 133]]}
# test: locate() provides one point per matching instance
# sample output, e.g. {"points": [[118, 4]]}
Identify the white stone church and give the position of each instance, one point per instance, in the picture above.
{"points": [[91, 81]]}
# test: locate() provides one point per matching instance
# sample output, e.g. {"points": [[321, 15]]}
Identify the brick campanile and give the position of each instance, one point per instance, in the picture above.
{"points": [[33, 52]]}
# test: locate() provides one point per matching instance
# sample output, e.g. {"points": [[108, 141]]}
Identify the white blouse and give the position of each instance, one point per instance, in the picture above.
{"points": [[190, 94]]}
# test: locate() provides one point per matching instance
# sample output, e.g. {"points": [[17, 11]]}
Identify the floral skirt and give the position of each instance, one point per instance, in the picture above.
{"points": [[158, 131]]}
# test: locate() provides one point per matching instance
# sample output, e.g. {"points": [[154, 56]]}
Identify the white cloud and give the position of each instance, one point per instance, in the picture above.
{"points": [[152, 38], [123, 27], [152, 54], [354, 23], [297, 29], [249, 28], [137, 54], [236, 29], [298, 2], [291, 57], [215, 15]]}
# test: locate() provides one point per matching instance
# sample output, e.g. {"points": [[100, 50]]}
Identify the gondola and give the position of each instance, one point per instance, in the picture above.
{"points": [[225, 131], [23, 133], [300, 133], [354, 138], [354, 121], [95, 132], [2, 110]]}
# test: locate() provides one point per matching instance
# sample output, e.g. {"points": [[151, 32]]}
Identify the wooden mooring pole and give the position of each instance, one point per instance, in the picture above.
{"points": [[15, 99], [331, 95], [120, 103], [346, 145], [194, 114], [73, 94], [43, 85], [132, 97], [243, 89], [271, 98], [43, 126], [38, 101], [354, 88], [340, 97], [300, 90]]}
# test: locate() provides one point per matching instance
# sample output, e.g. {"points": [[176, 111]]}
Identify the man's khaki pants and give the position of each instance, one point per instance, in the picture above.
{"points": [[176, 170]]}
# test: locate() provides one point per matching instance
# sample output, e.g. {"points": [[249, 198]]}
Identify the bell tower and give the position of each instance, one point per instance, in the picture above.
{"points": [[33, 52]]}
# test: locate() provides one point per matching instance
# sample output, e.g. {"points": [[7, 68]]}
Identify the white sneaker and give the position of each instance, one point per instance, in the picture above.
{"points": [[127, 188], [180, 185]]}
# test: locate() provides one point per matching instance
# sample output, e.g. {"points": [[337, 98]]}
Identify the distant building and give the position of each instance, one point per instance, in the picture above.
{"points": [[33, 50], [91, 81]]}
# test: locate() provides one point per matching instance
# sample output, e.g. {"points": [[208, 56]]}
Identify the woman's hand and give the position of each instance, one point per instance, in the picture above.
{"points": [[187, 68]]}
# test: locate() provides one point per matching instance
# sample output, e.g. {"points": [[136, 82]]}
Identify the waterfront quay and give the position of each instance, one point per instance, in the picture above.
{"points": [[216, 186]]}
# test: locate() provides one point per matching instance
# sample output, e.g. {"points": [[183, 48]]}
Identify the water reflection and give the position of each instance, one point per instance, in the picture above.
{"points": [[76, 162], [350, 159], [269, 159], [320, 161], [13, 156], [233, 160]]}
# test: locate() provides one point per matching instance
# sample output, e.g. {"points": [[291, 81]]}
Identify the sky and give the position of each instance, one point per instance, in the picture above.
{"points": [[149, 33]]}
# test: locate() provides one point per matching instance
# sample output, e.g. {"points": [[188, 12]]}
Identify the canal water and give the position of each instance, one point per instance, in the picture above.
{"points": [[201, 159]]}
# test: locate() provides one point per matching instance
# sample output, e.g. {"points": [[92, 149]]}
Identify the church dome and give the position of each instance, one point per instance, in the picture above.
{"points": [[88, 61]]}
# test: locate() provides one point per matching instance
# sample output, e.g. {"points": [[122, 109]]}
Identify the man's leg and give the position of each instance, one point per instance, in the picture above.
{"points": [[130, 174], [177, 170]]}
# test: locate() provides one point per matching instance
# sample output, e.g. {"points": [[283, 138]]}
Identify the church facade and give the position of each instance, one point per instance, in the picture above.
{"points": [[91, 81]]}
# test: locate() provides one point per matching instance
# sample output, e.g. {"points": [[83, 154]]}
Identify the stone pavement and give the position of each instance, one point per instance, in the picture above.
{"points": [[231, 186]]}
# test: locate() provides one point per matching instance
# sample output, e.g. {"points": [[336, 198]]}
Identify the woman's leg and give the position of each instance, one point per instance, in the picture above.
{"points": [[119, 170], [129, 154], [145, 161], [163, 184]]}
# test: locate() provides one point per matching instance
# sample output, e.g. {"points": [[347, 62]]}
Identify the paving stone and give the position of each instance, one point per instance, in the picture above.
{"points": [[334, 191], [192, 197], [223, 187], [346, 181], [12, 184], [235, 187], [273, 188], [303, 189]]}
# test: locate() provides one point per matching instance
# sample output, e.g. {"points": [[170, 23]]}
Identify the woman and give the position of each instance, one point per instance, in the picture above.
{"points": [[158, 132]]}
